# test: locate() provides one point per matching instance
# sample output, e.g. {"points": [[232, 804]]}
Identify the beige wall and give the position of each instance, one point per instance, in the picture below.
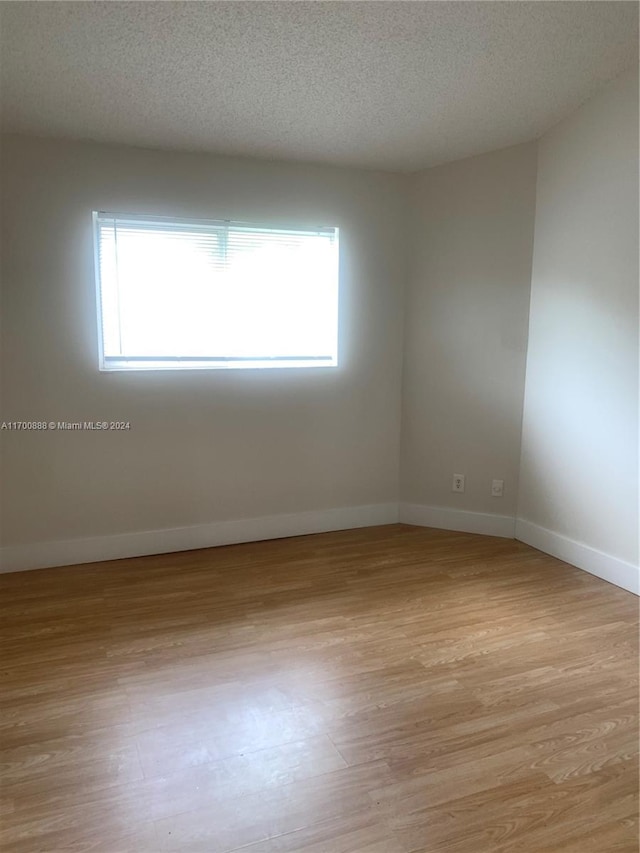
{"points": [[579, 473], [466, 329], [207, 445]]}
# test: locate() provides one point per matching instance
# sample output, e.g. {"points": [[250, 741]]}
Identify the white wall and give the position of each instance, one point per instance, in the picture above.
{"points": [[203, 446], [206, 448], [579, 471], [466, 330]]}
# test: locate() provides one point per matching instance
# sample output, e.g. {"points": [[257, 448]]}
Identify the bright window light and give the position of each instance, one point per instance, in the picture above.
{"points": [[204, 294]]}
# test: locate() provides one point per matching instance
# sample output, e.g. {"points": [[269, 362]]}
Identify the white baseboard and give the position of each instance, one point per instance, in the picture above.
{"points": [[604, 566], [43, 555], [447, 518], [69, 552]]}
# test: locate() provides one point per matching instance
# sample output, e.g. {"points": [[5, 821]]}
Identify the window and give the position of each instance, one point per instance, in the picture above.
{"points": [[201, 294]]}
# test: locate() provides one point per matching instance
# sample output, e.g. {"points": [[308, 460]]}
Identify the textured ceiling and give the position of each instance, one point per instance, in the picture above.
{"points": [[392, 85]]}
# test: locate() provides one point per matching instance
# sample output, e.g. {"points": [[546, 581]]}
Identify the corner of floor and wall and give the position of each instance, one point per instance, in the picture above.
{"points": [[510, 355], [578, 493], [521, 342]]}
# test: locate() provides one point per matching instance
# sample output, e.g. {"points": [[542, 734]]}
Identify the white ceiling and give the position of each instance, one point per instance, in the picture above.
{"points": [[392, 85]]}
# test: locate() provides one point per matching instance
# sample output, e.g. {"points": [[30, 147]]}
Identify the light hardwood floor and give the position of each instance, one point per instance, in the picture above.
{"points": [[389, 690]]}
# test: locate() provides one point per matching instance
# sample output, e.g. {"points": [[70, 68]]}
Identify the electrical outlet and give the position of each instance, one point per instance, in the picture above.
{"points": [[497, 488], [458, 483]]}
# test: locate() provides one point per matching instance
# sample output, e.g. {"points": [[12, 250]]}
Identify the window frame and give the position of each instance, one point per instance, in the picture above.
{"points": [[128, 364]]}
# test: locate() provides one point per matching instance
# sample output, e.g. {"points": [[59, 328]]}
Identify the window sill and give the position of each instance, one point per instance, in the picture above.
{"points": [[111, 365]]}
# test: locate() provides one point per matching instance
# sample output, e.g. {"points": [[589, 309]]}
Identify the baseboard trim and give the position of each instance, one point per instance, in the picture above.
{"points": [[70, 552], [447, 518], [604, 566]]}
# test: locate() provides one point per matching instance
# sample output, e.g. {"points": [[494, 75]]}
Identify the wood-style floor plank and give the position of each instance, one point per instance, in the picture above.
{"points": [[389, 690]]}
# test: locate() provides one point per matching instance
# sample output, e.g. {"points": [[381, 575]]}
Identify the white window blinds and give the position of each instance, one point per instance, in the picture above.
{"points": [[176, 294]]}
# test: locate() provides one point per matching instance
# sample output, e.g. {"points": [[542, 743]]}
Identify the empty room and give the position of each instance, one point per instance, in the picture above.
{"points": [[319, 427]]}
